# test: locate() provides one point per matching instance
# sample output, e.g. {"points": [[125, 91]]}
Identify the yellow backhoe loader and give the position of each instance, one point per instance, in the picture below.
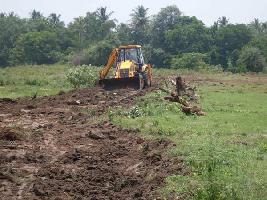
{"points": [[130, 69]]}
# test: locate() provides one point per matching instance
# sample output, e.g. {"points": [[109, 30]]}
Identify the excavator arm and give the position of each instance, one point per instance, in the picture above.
{"points": [[112, 58]]}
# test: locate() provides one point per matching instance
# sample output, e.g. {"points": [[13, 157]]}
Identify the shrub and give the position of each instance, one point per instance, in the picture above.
{"points": [[189, 60], [82, 76], [195, 61]]}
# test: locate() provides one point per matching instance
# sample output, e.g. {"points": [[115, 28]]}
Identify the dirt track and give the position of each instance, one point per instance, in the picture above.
{"points": [[50, 148]]}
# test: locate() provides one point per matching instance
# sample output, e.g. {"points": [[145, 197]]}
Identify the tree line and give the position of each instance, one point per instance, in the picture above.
{"points": [[169, 39]]}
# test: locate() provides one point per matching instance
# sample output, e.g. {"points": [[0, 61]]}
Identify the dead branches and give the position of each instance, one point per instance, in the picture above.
{"points": [[184, 95]]}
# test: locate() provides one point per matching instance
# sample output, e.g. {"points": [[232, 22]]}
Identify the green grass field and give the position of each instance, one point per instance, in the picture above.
{"points": [[31, 80], [226, 150]]}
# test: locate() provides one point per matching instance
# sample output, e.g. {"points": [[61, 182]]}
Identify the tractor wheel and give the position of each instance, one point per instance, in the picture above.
{"points": [[141, 82]]}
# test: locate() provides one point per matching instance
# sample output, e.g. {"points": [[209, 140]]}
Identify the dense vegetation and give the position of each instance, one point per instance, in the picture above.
{"points": [[169, 39]]}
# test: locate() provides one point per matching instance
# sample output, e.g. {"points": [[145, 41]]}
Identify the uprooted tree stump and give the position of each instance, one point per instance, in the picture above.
{"points": [[182, 90], [180, 86]]}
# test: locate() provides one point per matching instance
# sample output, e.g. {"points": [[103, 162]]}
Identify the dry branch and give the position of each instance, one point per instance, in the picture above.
{"points": [[182, 90]]}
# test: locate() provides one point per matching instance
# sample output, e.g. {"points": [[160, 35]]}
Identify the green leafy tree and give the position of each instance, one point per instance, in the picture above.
{"points": [[38, 22], [36, 15], [227, 39], [98, 25], [103, 14], [260, 42], [252, 59], [156, 56], [189, 35], [54, 21], [106, 23], [77, 31], [164, 21], [223, 21], [124, 34], [92, 28], [139, 25], [258, 28], [264, 28], [36, 48], [11, 27]]}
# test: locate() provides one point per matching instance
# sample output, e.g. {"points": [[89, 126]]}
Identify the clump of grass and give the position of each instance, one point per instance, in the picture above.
{"points": [[36, 82], [27, 80]]}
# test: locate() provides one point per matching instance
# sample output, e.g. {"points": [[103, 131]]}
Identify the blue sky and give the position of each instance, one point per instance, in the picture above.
{"points": [[238, 11]]}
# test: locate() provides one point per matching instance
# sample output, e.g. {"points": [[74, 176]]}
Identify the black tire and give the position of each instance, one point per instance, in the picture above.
{"points": [[141, 82]]}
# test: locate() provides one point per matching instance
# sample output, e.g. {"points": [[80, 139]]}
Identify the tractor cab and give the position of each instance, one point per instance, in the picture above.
{"points": [[131, 53]]}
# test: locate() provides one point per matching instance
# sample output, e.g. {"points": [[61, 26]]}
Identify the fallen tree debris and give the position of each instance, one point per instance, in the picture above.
{"points": [[183, 94]]}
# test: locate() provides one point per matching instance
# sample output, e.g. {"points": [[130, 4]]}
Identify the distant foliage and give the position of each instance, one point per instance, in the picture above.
{"points": [[36, 48], [82, 76], [252, 60], [189, 60], [156, 56], [95, 55], [168, 38]]}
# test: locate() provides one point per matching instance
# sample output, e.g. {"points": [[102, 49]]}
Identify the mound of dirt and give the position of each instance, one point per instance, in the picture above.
{"points": [[10, 134], [67, 156]]}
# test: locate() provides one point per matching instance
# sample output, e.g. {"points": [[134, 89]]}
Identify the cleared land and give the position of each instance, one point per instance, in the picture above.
{"points": [[92, 143]]}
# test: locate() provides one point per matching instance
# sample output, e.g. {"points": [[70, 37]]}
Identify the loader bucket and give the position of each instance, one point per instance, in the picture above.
{"points": [[120, 83]]}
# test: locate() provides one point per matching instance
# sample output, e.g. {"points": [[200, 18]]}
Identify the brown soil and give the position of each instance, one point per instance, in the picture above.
{"points": [[50, 148]]}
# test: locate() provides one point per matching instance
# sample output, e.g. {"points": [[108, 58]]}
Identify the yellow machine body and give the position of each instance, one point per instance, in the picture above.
{"points": [[130, 69]]}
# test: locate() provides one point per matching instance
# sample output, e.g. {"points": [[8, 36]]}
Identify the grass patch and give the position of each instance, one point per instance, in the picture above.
{"points": [[226, 150], [31, 80]]}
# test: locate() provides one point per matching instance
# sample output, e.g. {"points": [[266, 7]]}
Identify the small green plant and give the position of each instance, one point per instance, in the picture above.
{"points": [[134, 112], [81, 76], [110, 115]]}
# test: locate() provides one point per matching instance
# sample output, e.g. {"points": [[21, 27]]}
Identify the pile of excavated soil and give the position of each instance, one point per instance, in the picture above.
{"points": [[50, 149]]}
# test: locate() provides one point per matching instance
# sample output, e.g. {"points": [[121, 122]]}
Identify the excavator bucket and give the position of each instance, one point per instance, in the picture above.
{"points": [[120, 83]]}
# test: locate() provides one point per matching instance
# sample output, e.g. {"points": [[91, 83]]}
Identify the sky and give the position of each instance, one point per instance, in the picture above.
{"points": [[237, 11]]}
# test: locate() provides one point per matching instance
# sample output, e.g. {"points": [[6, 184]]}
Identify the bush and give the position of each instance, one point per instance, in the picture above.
{"points": [[82, 76], [196, 61]]}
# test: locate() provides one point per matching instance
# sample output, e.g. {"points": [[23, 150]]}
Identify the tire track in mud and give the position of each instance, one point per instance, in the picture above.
{"points": [[50, 150]]}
